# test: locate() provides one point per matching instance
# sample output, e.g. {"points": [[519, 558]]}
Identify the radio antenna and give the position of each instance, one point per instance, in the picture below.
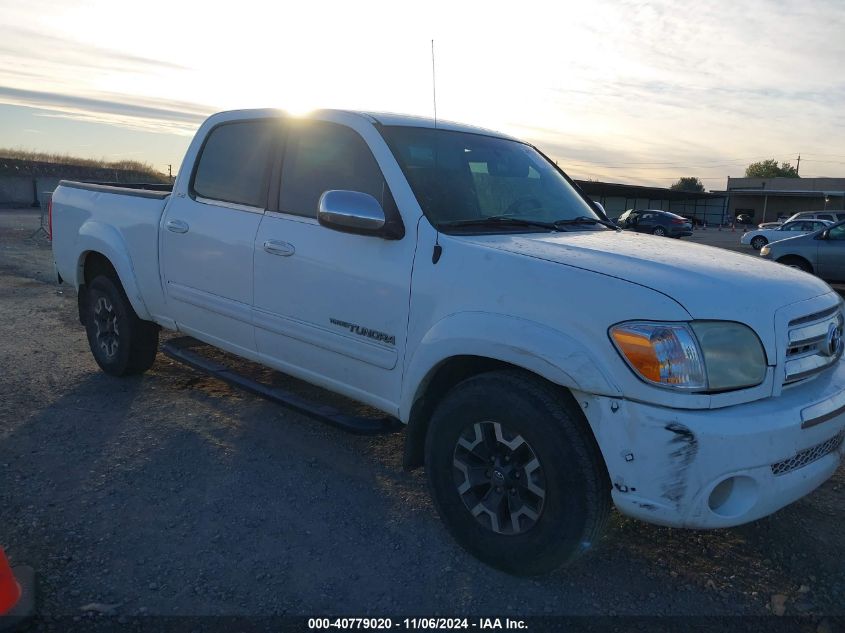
{"points": [[433, 84], [437, 252]]}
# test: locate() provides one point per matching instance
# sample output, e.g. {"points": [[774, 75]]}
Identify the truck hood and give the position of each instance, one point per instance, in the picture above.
{"points": [[709, 282]]}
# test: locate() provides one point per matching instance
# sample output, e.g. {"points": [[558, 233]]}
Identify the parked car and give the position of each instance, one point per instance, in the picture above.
{"points": [[660, 223], [759, 238], [821, 253], [830, 216], [805, 215], [546, 362]]}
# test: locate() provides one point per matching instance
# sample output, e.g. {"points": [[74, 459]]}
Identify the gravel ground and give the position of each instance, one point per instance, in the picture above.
{"points": [[174, 494]]}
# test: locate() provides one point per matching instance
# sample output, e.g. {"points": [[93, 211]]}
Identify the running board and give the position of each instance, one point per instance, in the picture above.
{"points": [[180, 349]]}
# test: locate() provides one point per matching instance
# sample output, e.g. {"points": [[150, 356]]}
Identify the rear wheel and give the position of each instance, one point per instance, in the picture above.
{"points": [[515, 473], [659, 231], [758, 242], [122, 343], [796, 262]]}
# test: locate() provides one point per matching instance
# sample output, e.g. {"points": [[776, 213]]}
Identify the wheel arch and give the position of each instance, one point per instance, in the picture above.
{"points": [[465, 345], [103, 250]]}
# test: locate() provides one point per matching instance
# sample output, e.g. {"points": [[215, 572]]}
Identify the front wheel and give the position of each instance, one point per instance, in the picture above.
{"points": [[122, 343], [796, 262], [759, 242], [515, 473]]}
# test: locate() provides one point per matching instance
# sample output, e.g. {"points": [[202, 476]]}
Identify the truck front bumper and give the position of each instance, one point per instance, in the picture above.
{"points": [[720, 467]]}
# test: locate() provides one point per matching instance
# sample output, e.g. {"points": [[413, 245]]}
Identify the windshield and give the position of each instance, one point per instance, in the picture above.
{"points": [[462, 179]]}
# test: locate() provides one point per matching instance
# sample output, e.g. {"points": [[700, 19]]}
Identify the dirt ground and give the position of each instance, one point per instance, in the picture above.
{"points": [[174, 494]]}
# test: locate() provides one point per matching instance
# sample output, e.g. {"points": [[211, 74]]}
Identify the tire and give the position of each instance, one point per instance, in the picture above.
{"points": [[796, 262], [121, 343], [543, 424], [758, 242], [659, 231]]}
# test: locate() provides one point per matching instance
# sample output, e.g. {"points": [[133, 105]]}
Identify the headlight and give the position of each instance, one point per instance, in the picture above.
{"points": [[697, 356], [764, 252]]}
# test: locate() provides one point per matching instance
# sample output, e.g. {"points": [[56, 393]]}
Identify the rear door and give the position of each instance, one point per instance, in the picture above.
{"points": [[208, 236], [331, 307]]}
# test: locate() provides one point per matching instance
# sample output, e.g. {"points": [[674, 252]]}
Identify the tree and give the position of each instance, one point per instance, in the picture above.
{"points": [[769, 169], [688, 183]]}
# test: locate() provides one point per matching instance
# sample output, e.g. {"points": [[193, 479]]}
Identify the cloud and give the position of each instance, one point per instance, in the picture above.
{"points": [[144, 113], [22, 42]]}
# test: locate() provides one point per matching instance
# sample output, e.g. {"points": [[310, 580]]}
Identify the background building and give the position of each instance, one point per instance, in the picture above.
{"points": [[766, 199]]}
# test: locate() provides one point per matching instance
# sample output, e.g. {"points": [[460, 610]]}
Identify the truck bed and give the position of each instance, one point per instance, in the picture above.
{"points": [[119, 221], [142, 190]]}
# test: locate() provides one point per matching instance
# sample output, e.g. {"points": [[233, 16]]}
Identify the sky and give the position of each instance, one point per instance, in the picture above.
{"points": [[614, 90]]}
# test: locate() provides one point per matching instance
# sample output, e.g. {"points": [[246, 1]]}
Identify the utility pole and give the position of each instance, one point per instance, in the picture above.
{"points": [[170, 172], [798, 166]]}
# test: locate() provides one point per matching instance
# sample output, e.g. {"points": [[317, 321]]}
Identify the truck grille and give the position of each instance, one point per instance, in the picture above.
{"points": [[815, 342], [808, 455]]}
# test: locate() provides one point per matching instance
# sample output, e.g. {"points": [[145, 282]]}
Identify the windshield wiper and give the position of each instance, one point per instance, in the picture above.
{"points": [[585, 219], [502, 220]]}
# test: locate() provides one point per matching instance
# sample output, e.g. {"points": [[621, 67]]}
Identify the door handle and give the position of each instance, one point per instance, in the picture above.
{"points": [[275, 247], [177, 226]]}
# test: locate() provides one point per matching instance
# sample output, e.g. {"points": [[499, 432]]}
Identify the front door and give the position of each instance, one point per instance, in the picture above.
{"points": [[331, 307], [207, 238], [831, 255]]}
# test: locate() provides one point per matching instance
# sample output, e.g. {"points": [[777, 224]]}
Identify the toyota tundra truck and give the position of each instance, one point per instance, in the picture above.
{"points": [[547, 364]]}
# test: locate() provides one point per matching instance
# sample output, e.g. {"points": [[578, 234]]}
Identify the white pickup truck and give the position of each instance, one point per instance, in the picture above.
{"points": [[546, 364]]}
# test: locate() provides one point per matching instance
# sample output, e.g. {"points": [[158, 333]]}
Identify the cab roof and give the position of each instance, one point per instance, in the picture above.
{"points": [[377, 118]]}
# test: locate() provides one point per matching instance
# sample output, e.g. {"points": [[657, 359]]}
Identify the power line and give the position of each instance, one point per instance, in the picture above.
{"points": [[727, 162], [661, 168]]}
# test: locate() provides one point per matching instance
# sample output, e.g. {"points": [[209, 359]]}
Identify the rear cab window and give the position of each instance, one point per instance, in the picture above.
{"points": [[234, 163]]}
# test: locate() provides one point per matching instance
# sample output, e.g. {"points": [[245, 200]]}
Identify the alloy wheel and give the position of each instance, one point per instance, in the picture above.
{"points": [[105, 322], [499, 478]]}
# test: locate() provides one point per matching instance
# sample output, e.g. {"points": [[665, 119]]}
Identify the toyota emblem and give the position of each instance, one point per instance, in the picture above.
{"points": [[834, 339]]}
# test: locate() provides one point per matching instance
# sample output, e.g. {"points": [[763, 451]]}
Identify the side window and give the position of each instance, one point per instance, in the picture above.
{"points": [[825, 216], [234, 165], [837, 233], [791, 226], [321, 156], [840, 217]]}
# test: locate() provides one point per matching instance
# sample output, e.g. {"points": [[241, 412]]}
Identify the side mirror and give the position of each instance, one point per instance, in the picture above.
{"points": [[351, 212], [824, 235]]}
